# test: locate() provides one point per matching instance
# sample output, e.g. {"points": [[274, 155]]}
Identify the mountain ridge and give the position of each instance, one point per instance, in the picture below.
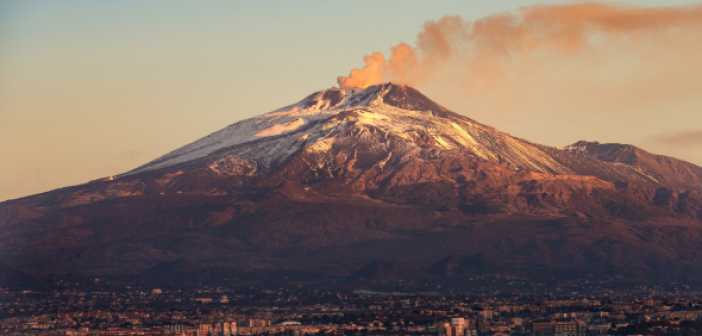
{"points": [[671, 172], [347, 177]]}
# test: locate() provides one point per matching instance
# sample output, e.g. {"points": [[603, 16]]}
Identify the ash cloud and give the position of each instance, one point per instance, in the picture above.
{"points": [[490, 50], [685, 139]]}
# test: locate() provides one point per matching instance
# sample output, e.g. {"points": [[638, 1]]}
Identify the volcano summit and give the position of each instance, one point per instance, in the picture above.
{"points": [[379, 176]]}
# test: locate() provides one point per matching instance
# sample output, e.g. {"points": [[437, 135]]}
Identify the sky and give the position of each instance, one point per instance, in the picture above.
{"points": [[90, 89]]}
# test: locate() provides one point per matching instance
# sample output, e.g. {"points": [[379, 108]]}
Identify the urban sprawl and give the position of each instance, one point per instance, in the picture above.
{"points": [[641, 310]]}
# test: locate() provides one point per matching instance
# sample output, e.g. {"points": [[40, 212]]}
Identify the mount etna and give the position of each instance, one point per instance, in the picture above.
{"points": [[368, 186]]}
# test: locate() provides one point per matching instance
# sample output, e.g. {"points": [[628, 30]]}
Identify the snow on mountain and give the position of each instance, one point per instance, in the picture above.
{"points": [[278, 129], [380, 124], [270, 139], [267, 138]]}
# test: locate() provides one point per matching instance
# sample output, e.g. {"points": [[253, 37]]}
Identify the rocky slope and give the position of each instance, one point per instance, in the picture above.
{"points": [[666, 171], [346, 177]]}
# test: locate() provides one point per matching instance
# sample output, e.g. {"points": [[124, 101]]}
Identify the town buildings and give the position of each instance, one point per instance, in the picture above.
{"points": [[297, 312]]}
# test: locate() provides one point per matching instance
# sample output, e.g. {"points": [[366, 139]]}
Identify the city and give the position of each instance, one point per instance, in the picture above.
{"points": [[670, 309]]}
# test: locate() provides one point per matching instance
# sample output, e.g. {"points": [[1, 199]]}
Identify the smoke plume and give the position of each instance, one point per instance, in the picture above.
{"points": [[683, 140], [489, 51]]}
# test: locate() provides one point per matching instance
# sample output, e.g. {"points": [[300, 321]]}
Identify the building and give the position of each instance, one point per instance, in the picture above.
{"points": [[456, 327]]}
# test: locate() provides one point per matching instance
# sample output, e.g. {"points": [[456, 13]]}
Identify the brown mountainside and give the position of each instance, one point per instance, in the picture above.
{"points": [[347, 177], [667, 171]]}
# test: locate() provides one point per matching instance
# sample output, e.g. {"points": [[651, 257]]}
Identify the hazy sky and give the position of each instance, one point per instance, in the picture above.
{"points": [[95, 88]]}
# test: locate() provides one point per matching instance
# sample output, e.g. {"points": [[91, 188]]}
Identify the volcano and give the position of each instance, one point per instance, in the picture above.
{"points": [[379, 176]]}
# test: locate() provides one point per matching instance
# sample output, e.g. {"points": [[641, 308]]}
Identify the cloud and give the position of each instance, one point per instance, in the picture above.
{"points": [[685, 139], [487, 52], [132, 155]]}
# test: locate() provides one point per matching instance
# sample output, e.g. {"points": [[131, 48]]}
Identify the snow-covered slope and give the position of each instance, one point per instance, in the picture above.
{"points": [[269, 138], [382, 122]]}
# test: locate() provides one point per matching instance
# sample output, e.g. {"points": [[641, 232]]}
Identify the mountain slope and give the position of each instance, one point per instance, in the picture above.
{"points": [[16, 279], [667, 171], [475, 265], [353, 176], [384, 124], [378, 271]]}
